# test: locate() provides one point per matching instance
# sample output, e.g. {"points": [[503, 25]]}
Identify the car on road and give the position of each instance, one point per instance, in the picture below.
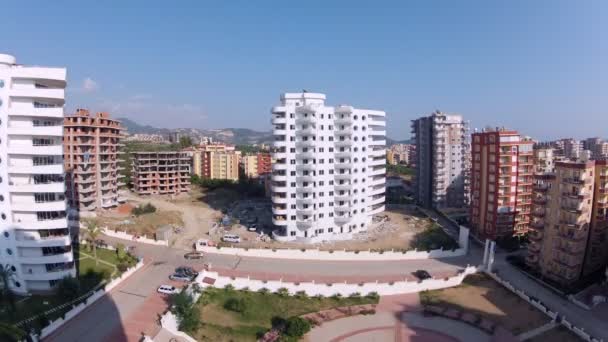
{"points": [[422, 274], [193, 255], [253, 227], [231, 238], [167, 289], [181, 277]]}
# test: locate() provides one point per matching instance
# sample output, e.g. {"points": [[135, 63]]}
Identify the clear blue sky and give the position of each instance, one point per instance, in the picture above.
{"points": [[537, 66]]}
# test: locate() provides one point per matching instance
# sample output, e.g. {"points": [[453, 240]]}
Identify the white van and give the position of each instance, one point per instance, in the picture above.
{"points": [[231, 238]]}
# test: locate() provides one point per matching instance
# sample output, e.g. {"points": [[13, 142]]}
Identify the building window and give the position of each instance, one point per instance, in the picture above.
{"points": [[9, 251], [292, 233]]}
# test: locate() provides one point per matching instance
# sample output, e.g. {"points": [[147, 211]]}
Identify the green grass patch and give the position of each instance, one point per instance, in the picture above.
{"points": [[230, 315]]}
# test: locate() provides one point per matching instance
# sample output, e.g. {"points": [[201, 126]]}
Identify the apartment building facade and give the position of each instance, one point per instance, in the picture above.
{"points": [[216, 161], [91, 159], [442, 160], [501, 183], [163, 173], [35, 240], [572, 148], [328, 172], [255, 165], [545, 159]]}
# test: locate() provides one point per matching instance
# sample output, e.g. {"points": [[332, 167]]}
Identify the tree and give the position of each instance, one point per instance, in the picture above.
{"points": [[187, 312], [185, 142], [297, 327], [236, 305], [6, 275], [11, 333], [68, 288], [92, 233], [121, 253]]}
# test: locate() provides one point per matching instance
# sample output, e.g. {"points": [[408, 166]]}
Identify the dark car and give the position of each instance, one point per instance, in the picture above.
{"points": [[193, 255], [422, 274], [189, 271]]}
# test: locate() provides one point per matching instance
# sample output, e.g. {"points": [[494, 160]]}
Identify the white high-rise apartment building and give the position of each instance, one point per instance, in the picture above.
{"points": [[442, 160], [35, 240], [329, 169]]}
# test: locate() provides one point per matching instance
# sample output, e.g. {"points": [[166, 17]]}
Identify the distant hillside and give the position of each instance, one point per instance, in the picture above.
{"points": [[391, 142], [237, 136]]}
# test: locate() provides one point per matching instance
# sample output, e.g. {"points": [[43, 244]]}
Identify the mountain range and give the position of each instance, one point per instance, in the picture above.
{"points": [[237, 136]]}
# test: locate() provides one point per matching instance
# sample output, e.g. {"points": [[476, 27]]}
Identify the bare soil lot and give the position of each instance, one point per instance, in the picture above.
{"points": [[481, 295]]}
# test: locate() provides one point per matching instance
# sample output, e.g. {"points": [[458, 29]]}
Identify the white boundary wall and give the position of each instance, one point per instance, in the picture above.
{"points": [[343, 255], [127, 236], [56, 324], [169, 322], [343, 289]]}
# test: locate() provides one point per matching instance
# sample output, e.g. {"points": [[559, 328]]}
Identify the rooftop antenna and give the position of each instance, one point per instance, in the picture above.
{"points": [[304, 91]]}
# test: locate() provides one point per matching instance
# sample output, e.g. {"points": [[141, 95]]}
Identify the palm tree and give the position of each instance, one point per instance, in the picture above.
{"points": [[92, 233], [6, 275]]}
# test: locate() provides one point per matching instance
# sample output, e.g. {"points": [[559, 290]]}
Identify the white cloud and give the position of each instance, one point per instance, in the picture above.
{"points": [[89, 85]]}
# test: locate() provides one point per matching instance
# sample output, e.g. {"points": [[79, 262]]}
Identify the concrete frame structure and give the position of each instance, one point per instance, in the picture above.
{"points": [[164, 173], [501, 183], [35, 242], [91, 159], [442, 161], [329, 169]]}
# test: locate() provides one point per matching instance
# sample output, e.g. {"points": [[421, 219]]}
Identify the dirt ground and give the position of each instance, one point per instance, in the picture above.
{"points": [[144, 225], [482, 295], [396, 233]]}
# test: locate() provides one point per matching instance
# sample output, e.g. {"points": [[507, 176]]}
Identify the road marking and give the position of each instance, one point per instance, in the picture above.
{"points": [[133, 294], [237, 263]]}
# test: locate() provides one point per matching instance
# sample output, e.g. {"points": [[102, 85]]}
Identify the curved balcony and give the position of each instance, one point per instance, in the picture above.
{"points": [[277, 166], [303, 178], [278, 121], [377, 153], [343, 197], [278, 199], [342, 208], [347, 120], [345, 143], [279, 131], [379, 200], [343, 131], [532, 258], [279, 211], [305, 155], [304, 224], [377, 132], [280, 155], [305, 211], [305, 167], [305, 143], [379, 181], [343, 176], [343, 187], [342, 219], [60, 223], [377, 143], [301, 120], [279, 178], [345, 154], [306, 132], [309, 189], [279, 143], [279, 187], [377, 191], [279, 221], [302, 201], [376, 210], [378, 171]]}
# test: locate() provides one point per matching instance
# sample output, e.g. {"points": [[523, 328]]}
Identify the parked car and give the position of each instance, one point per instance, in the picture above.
{"points": [[193, 255], [253, 227], [231, 238], [186, 270], [181, 277], [167, 289], [422, 274]]}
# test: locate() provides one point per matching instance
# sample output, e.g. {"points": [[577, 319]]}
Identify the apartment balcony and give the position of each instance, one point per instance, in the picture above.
{"points": [[54, 169], [50, 241], [48, 131], [339, 220], [346, 131], [380, 142], [343, 197], [573, 265], [305, 167], [52, 112], [343, 143], [538, 213], [58, 187], [305, 211], [378, 199], [534, 248], [305, 143], [347, 120], [57, 94], [42, 206], [376, 209], [53, 150], [344, 176], [378, 153], [575, 181], [48, 259], [52, 275], [532, 259], [378, 171], [576, 194], [569, 251], [539, 201], [279, 166], [576, 237], [343, 187], [301, 201], [344, 165], [539, 224]]}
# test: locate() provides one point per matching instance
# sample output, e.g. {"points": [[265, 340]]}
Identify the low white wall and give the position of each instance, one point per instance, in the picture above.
{"points": [[343, 289], [54, 325], [342, 255], [127, 236]]}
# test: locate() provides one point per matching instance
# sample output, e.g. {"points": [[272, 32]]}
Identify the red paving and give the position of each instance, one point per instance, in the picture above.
{"points": [[403, 334], [399, 303], [143, 321]]}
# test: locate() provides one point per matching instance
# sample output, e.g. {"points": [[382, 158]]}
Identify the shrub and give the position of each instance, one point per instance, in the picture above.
{"points": [[283, 292], [301, 294], [355, 295], [263, 291], [68, 288], [122, 266], [297, 327], [228, 287], [373, 295], [188, 313], [235, 305], [336, 296], [147, 208]]}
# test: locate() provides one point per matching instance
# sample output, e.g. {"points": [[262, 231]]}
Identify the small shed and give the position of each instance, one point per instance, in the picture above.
{"points": [[164, 233]]}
